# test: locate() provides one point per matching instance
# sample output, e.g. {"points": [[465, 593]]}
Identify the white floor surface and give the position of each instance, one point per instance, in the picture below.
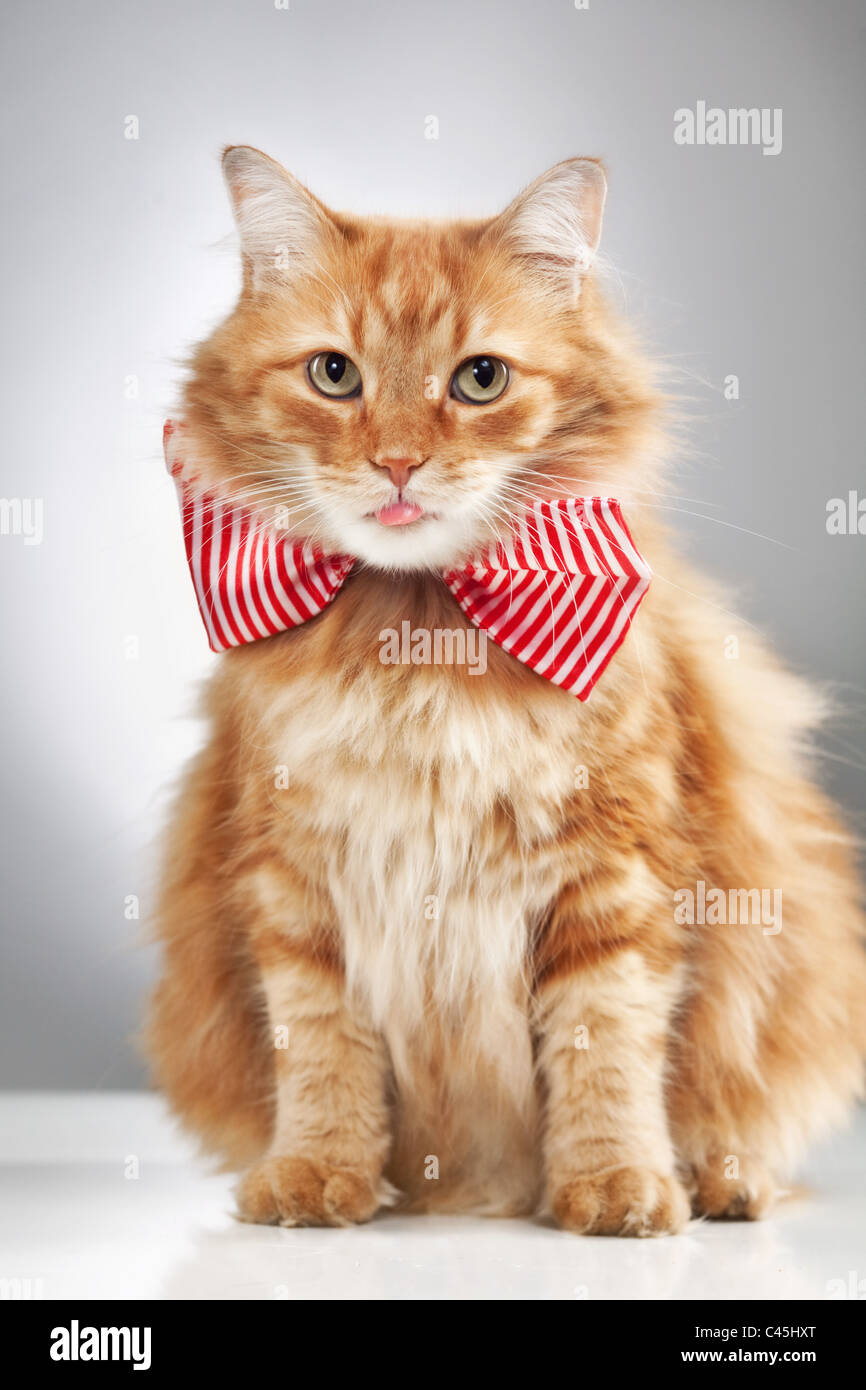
{"points": [[76, 1222]]}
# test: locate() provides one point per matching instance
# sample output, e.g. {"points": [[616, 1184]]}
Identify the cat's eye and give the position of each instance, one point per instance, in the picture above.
{"points": [[334, 375], [480, 380]]}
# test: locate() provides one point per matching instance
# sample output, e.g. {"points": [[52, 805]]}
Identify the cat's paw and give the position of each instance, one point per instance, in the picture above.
{"points": [[727, 1188], [621, 1202], [283, 1191]]}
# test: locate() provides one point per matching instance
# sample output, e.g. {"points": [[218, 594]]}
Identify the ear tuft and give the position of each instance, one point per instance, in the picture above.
{"points": [[555, 223], [279, 221]]}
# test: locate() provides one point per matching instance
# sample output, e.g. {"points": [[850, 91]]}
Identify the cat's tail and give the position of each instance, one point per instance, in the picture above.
{"points": [[205, 1035]]}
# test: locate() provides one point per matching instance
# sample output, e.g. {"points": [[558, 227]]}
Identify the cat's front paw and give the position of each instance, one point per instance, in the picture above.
{"points": [[726, 1188], [284, 1191], [621, 1202]]}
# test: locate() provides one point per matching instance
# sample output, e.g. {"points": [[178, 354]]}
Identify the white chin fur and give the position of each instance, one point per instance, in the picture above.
{"points": [[429, 543]]}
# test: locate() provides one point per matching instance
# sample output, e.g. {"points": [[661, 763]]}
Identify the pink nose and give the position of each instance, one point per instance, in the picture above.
{"points": [[398, 470]]}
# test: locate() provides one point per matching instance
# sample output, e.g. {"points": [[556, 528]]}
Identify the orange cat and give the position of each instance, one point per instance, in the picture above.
{"points": [[456, 938]]}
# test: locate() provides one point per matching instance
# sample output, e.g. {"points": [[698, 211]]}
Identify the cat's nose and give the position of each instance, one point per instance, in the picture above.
{"points": [[398, 470]]}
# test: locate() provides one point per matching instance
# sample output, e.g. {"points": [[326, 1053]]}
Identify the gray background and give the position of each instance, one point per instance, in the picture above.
{"points": [[115, 261]]}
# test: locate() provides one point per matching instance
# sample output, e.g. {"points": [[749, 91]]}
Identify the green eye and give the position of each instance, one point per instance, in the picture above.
{"points": [[479, 380], [334, 375]]}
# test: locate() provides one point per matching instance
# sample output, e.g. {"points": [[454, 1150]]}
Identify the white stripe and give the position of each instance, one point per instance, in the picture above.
{"points": [[332, 575], [232, 574], [492, 590], [311, 572], [546, 600], [541, 527], [172, 451], [249, 570], [636, 559], [510, 554], [492, 582], [280, 592], [565, 541], [614, 564], [576, 620], [197, 580], [590, 559], [526, 541], [216, 529], [626, 612], [261, 587]]}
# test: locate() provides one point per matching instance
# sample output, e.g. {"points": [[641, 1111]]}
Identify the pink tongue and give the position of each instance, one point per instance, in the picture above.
{"points": [[399, 513]]}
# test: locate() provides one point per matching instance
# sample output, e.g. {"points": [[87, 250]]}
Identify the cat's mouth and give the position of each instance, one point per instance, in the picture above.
{"points": [[401, 534], [399, 513]]}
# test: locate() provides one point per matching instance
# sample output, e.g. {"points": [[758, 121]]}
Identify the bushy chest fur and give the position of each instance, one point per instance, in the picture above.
{"points": [[434, 809]]}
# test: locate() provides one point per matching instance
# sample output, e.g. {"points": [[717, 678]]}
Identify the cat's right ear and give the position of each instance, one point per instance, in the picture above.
{"points": [[554, 225], [279, 221]]}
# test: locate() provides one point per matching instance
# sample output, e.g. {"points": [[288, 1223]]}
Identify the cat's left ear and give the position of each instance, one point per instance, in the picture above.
{"points": [[554, 225], [281, 224]]}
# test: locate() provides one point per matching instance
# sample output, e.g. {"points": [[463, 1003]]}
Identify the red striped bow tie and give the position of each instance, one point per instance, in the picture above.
{"points": [[559, 593]]}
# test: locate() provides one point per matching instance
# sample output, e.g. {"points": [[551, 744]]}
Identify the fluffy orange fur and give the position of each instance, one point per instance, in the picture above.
{"points": [[548, 1036]]}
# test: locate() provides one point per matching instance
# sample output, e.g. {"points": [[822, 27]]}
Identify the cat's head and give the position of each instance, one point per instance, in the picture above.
{"points": [[396, 390]]}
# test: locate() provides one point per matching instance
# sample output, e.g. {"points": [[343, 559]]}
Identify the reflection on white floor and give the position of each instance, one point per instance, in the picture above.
{"points": [[76, 1222]]}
